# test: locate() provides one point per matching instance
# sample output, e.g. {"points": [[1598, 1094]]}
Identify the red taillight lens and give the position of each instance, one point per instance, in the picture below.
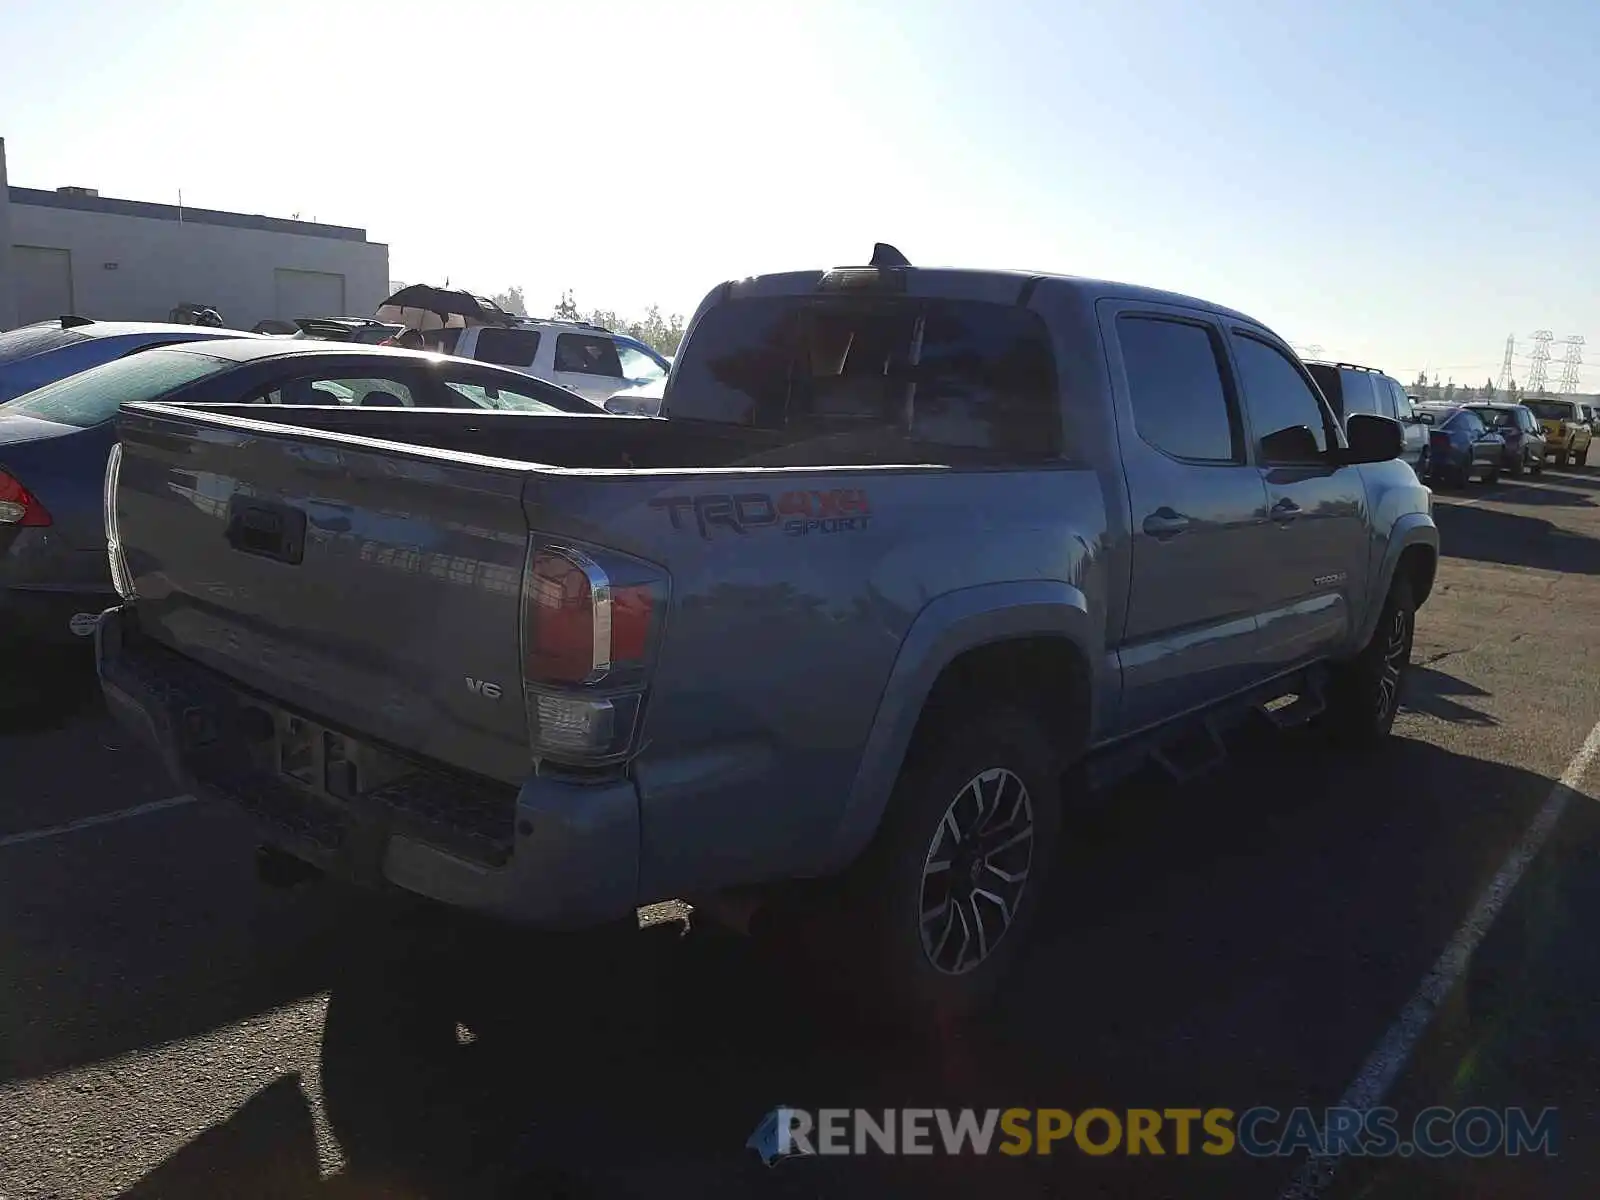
{"points": [[18, 506], [581, 627], [1439, 439], [590, 624]]}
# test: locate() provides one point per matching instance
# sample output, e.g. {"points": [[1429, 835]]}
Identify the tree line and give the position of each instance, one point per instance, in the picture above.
{"points": [[1437, 389], [662, 333]]}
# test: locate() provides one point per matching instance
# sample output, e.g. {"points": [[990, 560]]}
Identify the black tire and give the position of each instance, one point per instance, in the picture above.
{"points": [[1520, 465], [1538, 465], [1364, 693], [1583, 459], [1492, 475], [998, 760], [1561, 458]]}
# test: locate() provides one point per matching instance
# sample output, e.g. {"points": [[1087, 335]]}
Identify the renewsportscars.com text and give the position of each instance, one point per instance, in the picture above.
{"points": [[1258, 1132]]}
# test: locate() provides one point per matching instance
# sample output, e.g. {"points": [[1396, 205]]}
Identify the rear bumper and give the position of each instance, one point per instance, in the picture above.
{"points": [[552, 853]]}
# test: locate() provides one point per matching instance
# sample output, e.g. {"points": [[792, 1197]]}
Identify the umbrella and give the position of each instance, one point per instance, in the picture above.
{"points": [[420, 306]]}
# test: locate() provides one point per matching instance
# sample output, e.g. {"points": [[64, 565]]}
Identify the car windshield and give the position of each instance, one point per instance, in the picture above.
{"points": [[35, 339], [1552, 410], [95, 395]]}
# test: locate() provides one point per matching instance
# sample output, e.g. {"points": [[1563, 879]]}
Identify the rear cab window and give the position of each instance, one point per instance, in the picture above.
{"points": [[1180, 404], [927, 373], [95, 395]]}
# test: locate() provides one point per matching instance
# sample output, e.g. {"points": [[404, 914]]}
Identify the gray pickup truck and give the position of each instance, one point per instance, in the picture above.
{"points": [[912, 559]]}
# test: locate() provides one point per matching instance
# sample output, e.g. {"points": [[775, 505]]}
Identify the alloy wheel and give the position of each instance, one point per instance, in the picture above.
{"points": [[1395, 652], [975, 871]]}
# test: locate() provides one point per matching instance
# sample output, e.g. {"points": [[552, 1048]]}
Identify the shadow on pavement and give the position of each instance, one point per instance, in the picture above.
{"points": [[1237, 942], [43, 693], [1432, 692], [1514, 540], [1518, 490]]}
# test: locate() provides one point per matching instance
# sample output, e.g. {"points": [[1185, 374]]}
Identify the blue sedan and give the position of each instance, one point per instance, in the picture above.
{"points": [[1460, 446]]}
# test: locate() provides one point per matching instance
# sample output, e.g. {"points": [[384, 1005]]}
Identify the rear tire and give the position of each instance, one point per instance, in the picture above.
{"points": [[1364, 694], [1583, 459], [1521, 464], [1561, 458], [935, 913]]}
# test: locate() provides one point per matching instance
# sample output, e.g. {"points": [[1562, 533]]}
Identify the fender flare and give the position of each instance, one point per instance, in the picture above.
{"points": [[1411, 529], [947, 627]]}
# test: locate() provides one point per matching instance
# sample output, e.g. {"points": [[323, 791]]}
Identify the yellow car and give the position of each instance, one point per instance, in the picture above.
{"points": [[1566, 431]]}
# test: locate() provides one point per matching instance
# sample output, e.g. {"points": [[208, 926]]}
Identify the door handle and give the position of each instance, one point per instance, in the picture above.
{"points": [[1164, 523], [1285, 510]]}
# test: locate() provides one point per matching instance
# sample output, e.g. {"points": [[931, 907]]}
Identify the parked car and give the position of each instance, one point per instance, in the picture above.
{"points": [[363, 331], [35, 355], [641, 401], [55, 440], [586, 359], [1567, 434], [748, 646], [1460, 446], [1353, 389], [1520, 429]]}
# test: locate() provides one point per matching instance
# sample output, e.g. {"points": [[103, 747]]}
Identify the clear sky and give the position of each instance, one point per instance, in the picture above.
{"points": [[1400, 183]]}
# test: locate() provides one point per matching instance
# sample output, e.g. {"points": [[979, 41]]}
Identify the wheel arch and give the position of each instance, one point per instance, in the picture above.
{"points": [[1030, 640]]}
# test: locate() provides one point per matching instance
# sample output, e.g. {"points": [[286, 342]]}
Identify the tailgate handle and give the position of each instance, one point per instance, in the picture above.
{"points": [[260, 527]]}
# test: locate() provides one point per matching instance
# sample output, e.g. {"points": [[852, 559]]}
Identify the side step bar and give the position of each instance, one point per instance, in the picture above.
{"points": [[1196, 745]]}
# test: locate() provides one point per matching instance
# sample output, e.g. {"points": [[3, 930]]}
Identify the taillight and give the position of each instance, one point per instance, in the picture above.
{"points": [[591, 621], [1436, 438], [19, 506]]}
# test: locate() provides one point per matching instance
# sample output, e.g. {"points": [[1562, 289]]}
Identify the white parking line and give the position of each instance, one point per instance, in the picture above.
{"points": [[122, 814], [1394, 1050]]}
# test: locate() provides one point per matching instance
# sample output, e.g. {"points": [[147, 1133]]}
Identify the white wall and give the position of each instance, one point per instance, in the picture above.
{"points": [[160, 263], [8, 303]]}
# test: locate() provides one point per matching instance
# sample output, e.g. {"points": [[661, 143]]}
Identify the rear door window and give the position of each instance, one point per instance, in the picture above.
{"points": [[585, 354], [1180, 405], [937, 373], [507, 347], [1359, 396]]}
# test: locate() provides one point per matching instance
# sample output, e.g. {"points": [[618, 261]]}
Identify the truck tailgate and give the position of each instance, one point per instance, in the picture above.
{"points": [[369, 585]]}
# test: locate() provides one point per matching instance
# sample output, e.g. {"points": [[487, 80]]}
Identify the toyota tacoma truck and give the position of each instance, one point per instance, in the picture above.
{"points": [[911, 559]]}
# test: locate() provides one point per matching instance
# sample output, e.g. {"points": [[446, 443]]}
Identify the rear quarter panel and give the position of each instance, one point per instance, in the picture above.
{"points": [[784, 626]]}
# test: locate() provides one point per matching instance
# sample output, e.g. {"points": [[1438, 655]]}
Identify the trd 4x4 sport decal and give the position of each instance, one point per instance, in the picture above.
{"points": [[798, 514]]}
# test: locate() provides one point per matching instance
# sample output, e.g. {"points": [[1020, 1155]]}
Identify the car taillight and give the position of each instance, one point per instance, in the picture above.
{"points": [[591, 620], [19, 506], [121, 579], [1438, 438]]}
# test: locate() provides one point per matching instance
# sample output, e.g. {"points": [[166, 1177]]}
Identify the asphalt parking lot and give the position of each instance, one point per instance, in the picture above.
{"points": [[170, 1029]]}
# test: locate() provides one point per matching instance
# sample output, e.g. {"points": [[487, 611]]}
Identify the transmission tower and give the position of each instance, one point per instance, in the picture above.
{"points": [[1504, 382], [1571, 366], [1541, 361]]}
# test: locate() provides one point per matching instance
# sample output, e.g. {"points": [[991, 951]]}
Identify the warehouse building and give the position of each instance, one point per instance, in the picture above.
{"points": [[74, 251]]}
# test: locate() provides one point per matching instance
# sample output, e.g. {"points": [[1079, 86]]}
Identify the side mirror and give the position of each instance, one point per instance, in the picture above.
{"points": [[1295, 444], [1373, 439]]}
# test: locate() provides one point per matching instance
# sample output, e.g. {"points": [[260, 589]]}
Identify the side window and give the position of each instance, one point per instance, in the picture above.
{"points": [[534, 396], [323, 391], [507, 347], [587, 355], [1399, 402], [1359, 396], [1180, 405], [639, 366], [1278, 398]]}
